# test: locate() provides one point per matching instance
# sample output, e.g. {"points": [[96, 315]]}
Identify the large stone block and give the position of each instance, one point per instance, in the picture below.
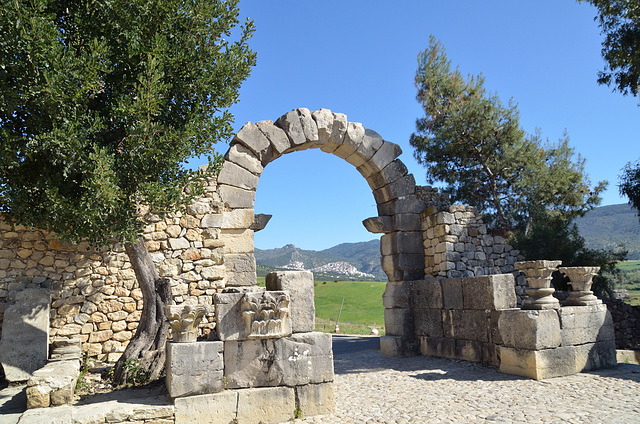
{"points": [[266, 405], [594, 356], [490, 354], [234, 197], [539, 364], [491, 292], [438, 346], [399, 346], [403, 204], [386, 154], [428, 322], [300, 359], [218, 408], [252, 315], [398, 321], [427, 293], [585, 324], [24, 346], [194, 368], [238, 219], [452, 293], [278, 139], [290, 123], [253, 139], [237, 240], [396, 295], [240, 269], [392, 172], [236, 176], [465, 325], [53, 384], [402, 187], [315, 399], [245, 158], [469, 350], [530, 329], [299, 285]]}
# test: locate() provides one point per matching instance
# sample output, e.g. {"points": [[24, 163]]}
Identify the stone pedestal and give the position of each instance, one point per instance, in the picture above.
{"points": [[194, 368], [538, 276], [580, 279]]}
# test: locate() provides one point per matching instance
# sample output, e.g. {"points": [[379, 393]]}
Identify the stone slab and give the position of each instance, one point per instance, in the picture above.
{"points": [[438, 346], [396, 295], [398, 322], [252, 315], [266, 405], [452, 293], [194, 368], [530, 329], [299, 285], [466, 325], [218, 408], [428, 322], [292, 361], [585, 324], [469, 350], [24, 346], [399, 346], [53, 384], [315, 399], [492, 292], [539, 364], [427, 294]]}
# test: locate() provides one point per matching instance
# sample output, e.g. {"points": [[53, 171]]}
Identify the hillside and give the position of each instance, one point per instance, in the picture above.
{"points": [[365, 256], [610, 226]]}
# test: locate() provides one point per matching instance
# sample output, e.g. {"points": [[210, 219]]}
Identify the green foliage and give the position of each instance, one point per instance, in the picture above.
{"points": [[102, 103], [630, 184], [469, 140], [136, 375], [297, 412], [81, 384], [619, 22]]}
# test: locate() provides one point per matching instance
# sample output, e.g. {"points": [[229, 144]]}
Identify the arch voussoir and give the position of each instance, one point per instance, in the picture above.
{"points": [[278, 139]]}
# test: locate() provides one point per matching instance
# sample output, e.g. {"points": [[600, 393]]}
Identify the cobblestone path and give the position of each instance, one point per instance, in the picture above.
{"points": [[372, 388]]}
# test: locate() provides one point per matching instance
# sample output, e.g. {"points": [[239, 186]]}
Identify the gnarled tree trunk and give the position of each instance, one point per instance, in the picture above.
{"points": [[148, 344]]}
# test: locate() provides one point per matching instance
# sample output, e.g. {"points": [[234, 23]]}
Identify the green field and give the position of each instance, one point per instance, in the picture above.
{"points": [[362, 306], [629, 266]]}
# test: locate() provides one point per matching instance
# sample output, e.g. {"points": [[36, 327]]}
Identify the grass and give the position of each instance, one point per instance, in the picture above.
{"points": [[629, 266], [362, 306]]}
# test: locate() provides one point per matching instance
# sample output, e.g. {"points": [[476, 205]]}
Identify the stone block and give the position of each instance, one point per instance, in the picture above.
{"points": [[585, 324], [411, 266], [324, 123], [403, 204], [399, 346], [426, 294], [396, 295], [438, 346], [25, 333], [290, 123], [407, 222], [315, 399], [452, 293], [218, 408], [300, 359], [491, 292], [278, 139], [236, 198], [266, 405], [378, 224], [245, 158], [386, 154], [539, 364], [402, 187], [237, 219], [398, 321], [490, 354], [240, 269], [530, 329], [252, 315], [299, 285], [53, 384], [237, 241], [194, 368], [428, 322], [465, 325], [253, 139], [236, 176], [469, 350], [392, 172], [594, 356]]}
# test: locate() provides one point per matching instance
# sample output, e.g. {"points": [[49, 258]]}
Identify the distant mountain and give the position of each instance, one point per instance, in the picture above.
{"points": [[364, 256], [610, 226]]}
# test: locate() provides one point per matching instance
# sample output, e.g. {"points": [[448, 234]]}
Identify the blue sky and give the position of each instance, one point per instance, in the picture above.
{"points": [[359, 58]]}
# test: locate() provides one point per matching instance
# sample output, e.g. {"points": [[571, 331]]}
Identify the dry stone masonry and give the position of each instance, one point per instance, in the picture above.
{"points": [[245, 353]]}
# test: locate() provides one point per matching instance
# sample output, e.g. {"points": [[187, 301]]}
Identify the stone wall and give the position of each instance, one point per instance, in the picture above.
{"points": [[626, 323], [457, 244], [94, 294]]}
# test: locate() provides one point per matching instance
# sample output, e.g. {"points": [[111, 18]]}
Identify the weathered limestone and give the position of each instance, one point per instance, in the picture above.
{"points": [[53, 384], [300, 359], [538, 276], [299, 285], [315, 399], [184, 321], [252, 315], [218, 408], [532, 330], [580, 281], [270, 405], [585, 324], [194, 368], [25, 333]]}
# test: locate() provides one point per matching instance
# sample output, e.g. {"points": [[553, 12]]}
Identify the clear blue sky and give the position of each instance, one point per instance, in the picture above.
{"points": [[359, 58]]}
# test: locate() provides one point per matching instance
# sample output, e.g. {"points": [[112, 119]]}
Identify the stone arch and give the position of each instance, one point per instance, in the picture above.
{"points": [[393, 187]]}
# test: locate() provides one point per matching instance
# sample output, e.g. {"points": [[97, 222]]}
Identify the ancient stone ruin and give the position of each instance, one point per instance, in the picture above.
{"points": [[243, 352]]}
